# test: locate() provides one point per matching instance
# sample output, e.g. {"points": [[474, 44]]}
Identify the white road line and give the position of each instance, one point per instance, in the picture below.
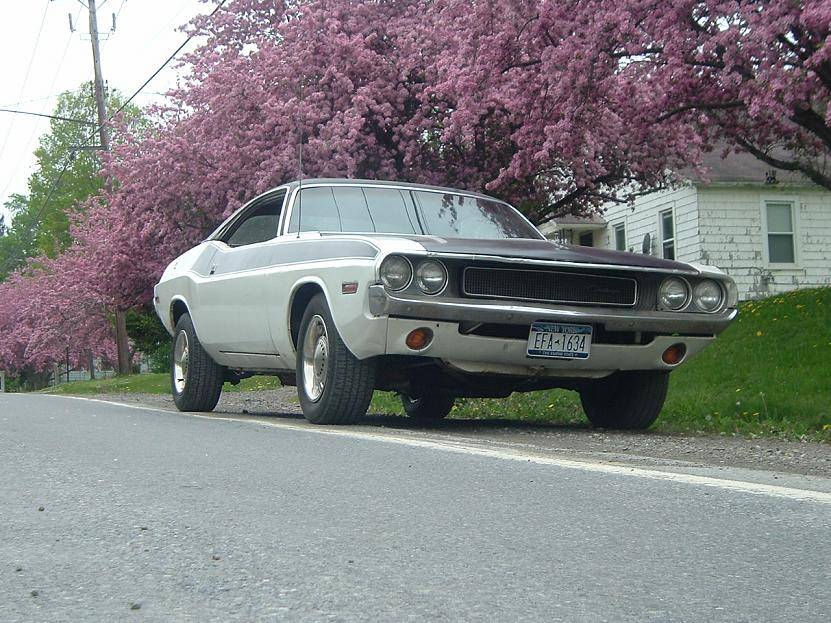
{"points": [[462, 447]]}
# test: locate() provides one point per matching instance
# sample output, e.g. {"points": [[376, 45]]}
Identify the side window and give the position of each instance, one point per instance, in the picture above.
{"points": [[667, 235], [256, 225], [317, 209]]}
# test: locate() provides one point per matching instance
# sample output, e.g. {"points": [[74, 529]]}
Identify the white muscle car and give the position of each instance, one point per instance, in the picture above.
{"points": [[346, 286]]}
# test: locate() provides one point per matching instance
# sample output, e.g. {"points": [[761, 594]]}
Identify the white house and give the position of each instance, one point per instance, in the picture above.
{"points": [[770, 229]]}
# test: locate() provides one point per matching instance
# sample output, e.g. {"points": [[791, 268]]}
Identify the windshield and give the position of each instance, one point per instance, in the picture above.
{"points": [[458, 216], [371, 209]]}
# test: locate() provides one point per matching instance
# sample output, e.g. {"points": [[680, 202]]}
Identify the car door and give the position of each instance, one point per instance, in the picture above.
{"points": [[235, 297]]}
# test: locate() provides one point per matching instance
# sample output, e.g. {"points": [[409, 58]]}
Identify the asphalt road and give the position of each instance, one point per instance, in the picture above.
{"points": [[111, 513]]}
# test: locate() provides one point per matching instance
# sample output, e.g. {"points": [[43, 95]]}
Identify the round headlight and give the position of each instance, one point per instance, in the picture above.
{"points": [[674, 293], [708, 295], [431, 276], [396, 272]]}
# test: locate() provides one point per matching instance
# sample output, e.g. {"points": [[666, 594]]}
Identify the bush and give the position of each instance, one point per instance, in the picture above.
{"points": [[150, 337]]}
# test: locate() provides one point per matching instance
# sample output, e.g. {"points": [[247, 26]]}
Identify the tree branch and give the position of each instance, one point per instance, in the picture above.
{"points": [[700, 106], [814, 175], [808, 119]]}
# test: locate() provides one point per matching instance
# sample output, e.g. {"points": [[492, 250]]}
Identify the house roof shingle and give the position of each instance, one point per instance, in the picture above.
{"points": [[738, 167]]}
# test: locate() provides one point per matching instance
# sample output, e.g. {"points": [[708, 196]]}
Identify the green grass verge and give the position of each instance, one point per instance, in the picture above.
{"points": [[768, 374], [151, 384]]}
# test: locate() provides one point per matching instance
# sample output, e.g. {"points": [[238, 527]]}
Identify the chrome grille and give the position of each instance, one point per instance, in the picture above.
{"points": [[550, 286]]}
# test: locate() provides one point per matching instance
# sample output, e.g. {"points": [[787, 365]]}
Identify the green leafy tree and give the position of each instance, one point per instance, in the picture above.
{"points": [[67, 173]]}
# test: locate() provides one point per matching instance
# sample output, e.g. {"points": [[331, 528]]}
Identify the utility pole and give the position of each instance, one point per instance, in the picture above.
{"points": [[121, 339]]}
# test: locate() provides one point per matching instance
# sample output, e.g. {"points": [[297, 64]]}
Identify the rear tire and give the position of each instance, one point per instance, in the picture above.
{"points": [[428, 408], [333, 385], [625, 400], [196, 379]]}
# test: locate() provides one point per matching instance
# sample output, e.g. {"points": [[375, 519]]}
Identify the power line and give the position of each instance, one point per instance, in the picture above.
{"points": [[165, 64], [30, 101], [38, 114], [26, 75], [56, 182], [42, 110]]}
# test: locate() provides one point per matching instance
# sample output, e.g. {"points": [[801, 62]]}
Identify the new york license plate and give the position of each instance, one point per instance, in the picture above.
{"points": [[559, 341]]}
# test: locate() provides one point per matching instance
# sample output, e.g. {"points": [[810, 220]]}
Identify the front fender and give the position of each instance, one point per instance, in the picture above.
{"points": [[363, 334]]}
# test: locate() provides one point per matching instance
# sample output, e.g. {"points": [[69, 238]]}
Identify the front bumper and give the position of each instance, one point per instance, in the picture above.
{"points": [[382, 303], [492, 355]]}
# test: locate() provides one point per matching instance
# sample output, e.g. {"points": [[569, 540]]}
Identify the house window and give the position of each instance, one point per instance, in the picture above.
{"points": [[620, 237], [587, 239], [562, 236], [667, 235], [780, 232]]}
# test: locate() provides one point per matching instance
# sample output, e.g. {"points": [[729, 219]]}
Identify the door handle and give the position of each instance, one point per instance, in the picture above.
{"points": [[213, 269]]}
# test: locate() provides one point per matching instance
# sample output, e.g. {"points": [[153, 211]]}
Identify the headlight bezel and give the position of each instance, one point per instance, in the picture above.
{"points": [[687, 293], [384, 281], [691, 303], [417, 279], [721, 299]]}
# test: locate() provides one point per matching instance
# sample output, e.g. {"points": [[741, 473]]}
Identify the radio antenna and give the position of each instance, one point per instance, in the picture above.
{"points": [[300, 167]]}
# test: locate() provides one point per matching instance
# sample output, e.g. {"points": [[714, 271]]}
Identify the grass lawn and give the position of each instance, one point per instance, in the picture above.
{"points": [[768, 374], [151, 384]]}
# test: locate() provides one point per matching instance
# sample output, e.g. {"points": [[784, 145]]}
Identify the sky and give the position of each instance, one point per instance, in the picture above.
{"points": [[34, 69]]}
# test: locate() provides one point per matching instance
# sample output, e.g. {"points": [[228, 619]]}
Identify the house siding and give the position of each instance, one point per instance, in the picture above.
{"points": [[643, 219], [722, 224], [733, 236]]}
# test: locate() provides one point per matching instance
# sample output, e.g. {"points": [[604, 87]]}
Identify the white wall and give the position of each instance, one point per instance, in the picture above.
{"points": [[733, 236], [644, 219]]}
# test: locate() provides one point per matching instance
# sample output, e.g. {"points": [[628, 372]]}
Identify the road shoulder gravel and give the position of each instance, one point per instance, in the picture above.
{"points": [[645, 449]]}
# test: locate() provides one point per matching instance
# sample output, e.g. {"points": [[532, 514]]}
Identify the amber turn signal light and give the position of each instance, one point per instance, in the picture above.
{"points": [[419, 339], [674, 354]]}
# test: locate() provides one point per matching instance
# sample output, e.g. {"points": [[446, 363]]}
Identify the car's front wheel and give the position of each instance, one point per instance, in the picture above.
{"points": [[626, 400], [333, 385], [427, 408], [196, 379]]}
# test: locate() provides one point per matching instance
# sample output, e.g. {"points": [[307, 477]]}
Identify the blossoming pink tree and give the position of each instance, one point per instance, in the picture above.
{"points": [[47, 312]]}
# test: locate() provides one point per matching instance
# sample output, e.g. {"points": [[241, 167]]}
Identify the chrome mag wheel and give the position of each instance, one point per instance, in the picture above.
{"points": [[181, 357], [315, 354]]}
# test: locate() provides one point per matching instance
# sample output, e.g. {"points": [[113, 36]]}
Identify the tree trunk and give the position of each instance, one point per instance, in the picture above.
{"points": [[122, 343]]}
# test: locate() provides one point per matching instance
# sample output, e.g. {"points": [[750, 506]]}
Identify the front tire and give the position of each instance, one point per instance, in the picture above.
{"points": [[428, 408], [625, 400], [333, 385], [196, 379]]}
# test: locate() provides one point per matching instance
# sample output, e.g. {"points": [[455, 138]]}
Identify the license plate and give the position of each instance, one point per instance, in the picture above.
{"points": [[559, 341]]}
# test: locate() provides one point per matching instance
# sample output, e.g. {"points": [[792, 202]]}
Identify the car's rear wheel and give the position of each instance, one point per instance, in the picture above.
{"points": [[196, 379], [333, 385], [625, 400], [427, 408]]}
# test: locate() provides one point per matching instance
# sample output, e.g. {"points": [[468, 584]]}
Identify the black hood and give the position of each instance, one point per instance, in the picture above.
{"points": [[546, 250]]}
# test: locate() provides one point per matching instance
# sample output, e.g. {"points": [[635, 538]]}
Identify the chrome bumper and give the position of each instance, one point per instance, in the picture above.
{"points": [[382, 303]]}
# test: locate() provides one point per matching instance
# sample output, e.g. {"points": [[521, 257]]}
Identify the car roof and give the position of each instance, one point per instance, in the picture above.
{"points": [[363, 182]]}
